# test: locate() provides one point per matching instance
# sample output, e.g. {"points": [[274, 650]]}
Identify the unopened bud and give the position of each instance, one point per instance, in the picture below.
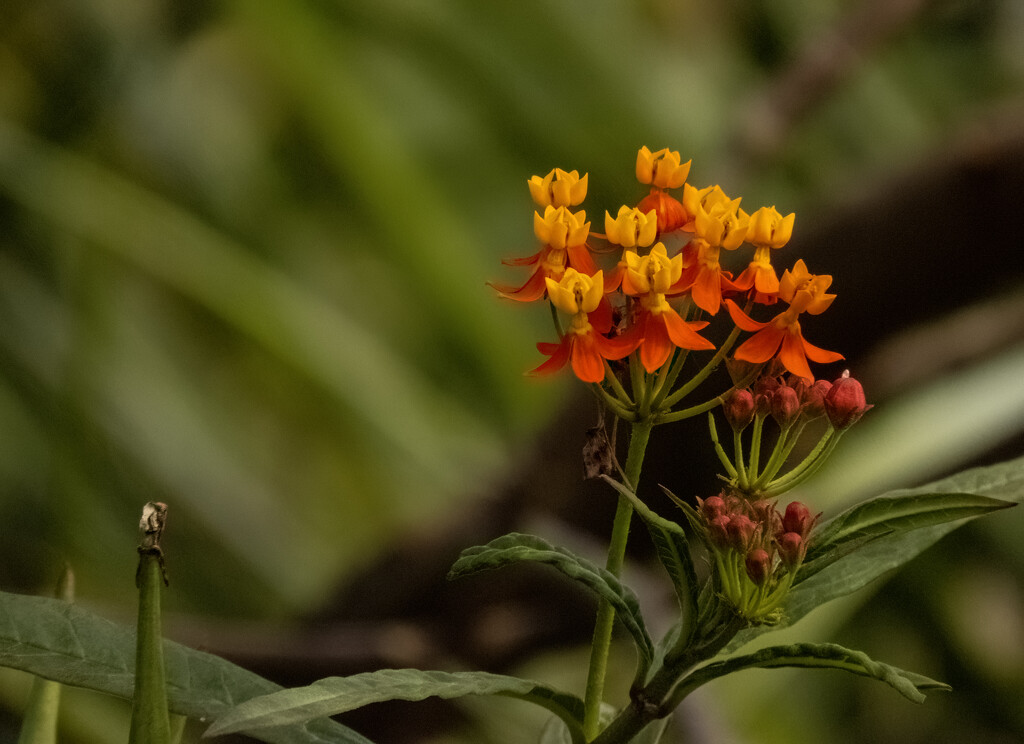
{"points": [[718, 531], [741, 530], [844, 403], [758, 565], [813, 399], [798, 519], [791, 549], [784, 406], [712, 507], [739, 409]]}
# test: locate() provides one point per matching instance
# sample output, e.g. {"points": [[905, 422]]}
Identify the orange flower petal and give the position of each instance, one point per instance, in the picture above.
{"points": [[792, 355], [657, 346], [741, 319], [586, 362], [683, 334], [822, 356], [534, 289], [581, 260], [559, 354], [761, 346], [707, 290]]}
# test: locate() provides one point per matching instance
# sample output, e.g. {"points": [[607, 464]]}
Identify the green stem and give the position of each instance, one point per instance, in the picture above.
{"points": [[150, 723], [685, 413], [755, 446], [722, 457], [39, 726], [620, 392], [708, 368], [808, 467], [640, 433], [806, 470], [783, 447]]}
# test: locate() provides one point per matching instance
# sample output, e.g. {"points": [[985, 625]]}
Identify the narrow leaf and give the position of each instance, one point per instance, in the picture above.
{"points": [[673, 550], [64, 643], [899, 512], [334, 695], [516, 547], [813, 656]]}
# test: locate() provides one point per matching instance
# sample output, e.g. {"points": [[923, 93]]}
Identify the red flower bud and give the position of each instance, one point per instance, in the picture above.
{"points": [[739, 409], [718, 531], [712, 508], [791, 549], [758, 565], [785, 406], [813, 399], [741, 530], [845, 402], [798, 519]]}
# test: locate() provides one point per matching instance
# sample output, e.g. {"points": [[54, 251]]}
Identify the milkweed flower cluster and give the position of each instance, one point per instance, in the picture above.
{"points": [[682, 273], [653, 281]]}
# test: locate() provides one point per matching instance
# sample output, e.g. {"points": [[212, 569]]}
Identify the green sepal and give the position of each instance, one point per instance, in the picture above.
{"points": [[61, 642], [517, 547], [812, 656], [334, 695]]}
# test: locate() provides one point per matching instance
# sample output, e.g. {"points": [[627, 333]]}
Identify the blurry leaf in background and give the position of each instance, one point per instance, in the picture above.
{"points": [[243, 249]]}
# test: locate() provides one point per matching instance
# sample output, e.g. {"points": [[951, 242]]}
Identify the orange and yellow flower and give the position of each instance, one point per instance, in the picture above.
{"points": [[564, 234], [718, 223], [584, 344], [662, 170], [631, 228], [782, 337], [767, 230], [657, 327]]}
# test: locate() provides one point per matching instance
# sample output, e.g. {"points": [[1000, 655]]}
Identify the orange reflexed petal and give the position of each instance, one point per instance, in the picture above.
{"points": [[707, 290], [819, 355], [657, 347], [741, 319], [581, 260], [534, 289], [792, 354], [559, 354], [586, 361], [683, 334], [671, 213], [761, 346]]}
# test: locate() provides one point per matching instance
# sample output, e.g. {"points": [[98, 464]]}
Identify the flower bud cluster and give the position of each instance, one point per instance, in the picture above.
{"points": [[757, 550], [791, 403]]}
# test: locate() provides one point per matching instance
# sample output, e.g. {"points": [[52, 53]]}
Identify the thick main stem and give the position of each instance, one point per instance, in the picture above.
{"points": [[639, 435]]}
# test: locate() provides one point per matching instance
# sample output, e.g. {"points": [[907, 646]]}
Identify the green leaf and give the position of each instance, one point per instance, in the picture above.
{"points": [[881, 555], [334, 695], [813, 656], [516, 547], [62, 642], [673, 550], [898, 512]]}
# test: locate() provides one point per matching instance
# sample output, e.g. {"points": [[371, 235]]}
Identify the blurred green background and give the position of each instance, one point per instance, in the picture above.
{"points": [[243, 254]]}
